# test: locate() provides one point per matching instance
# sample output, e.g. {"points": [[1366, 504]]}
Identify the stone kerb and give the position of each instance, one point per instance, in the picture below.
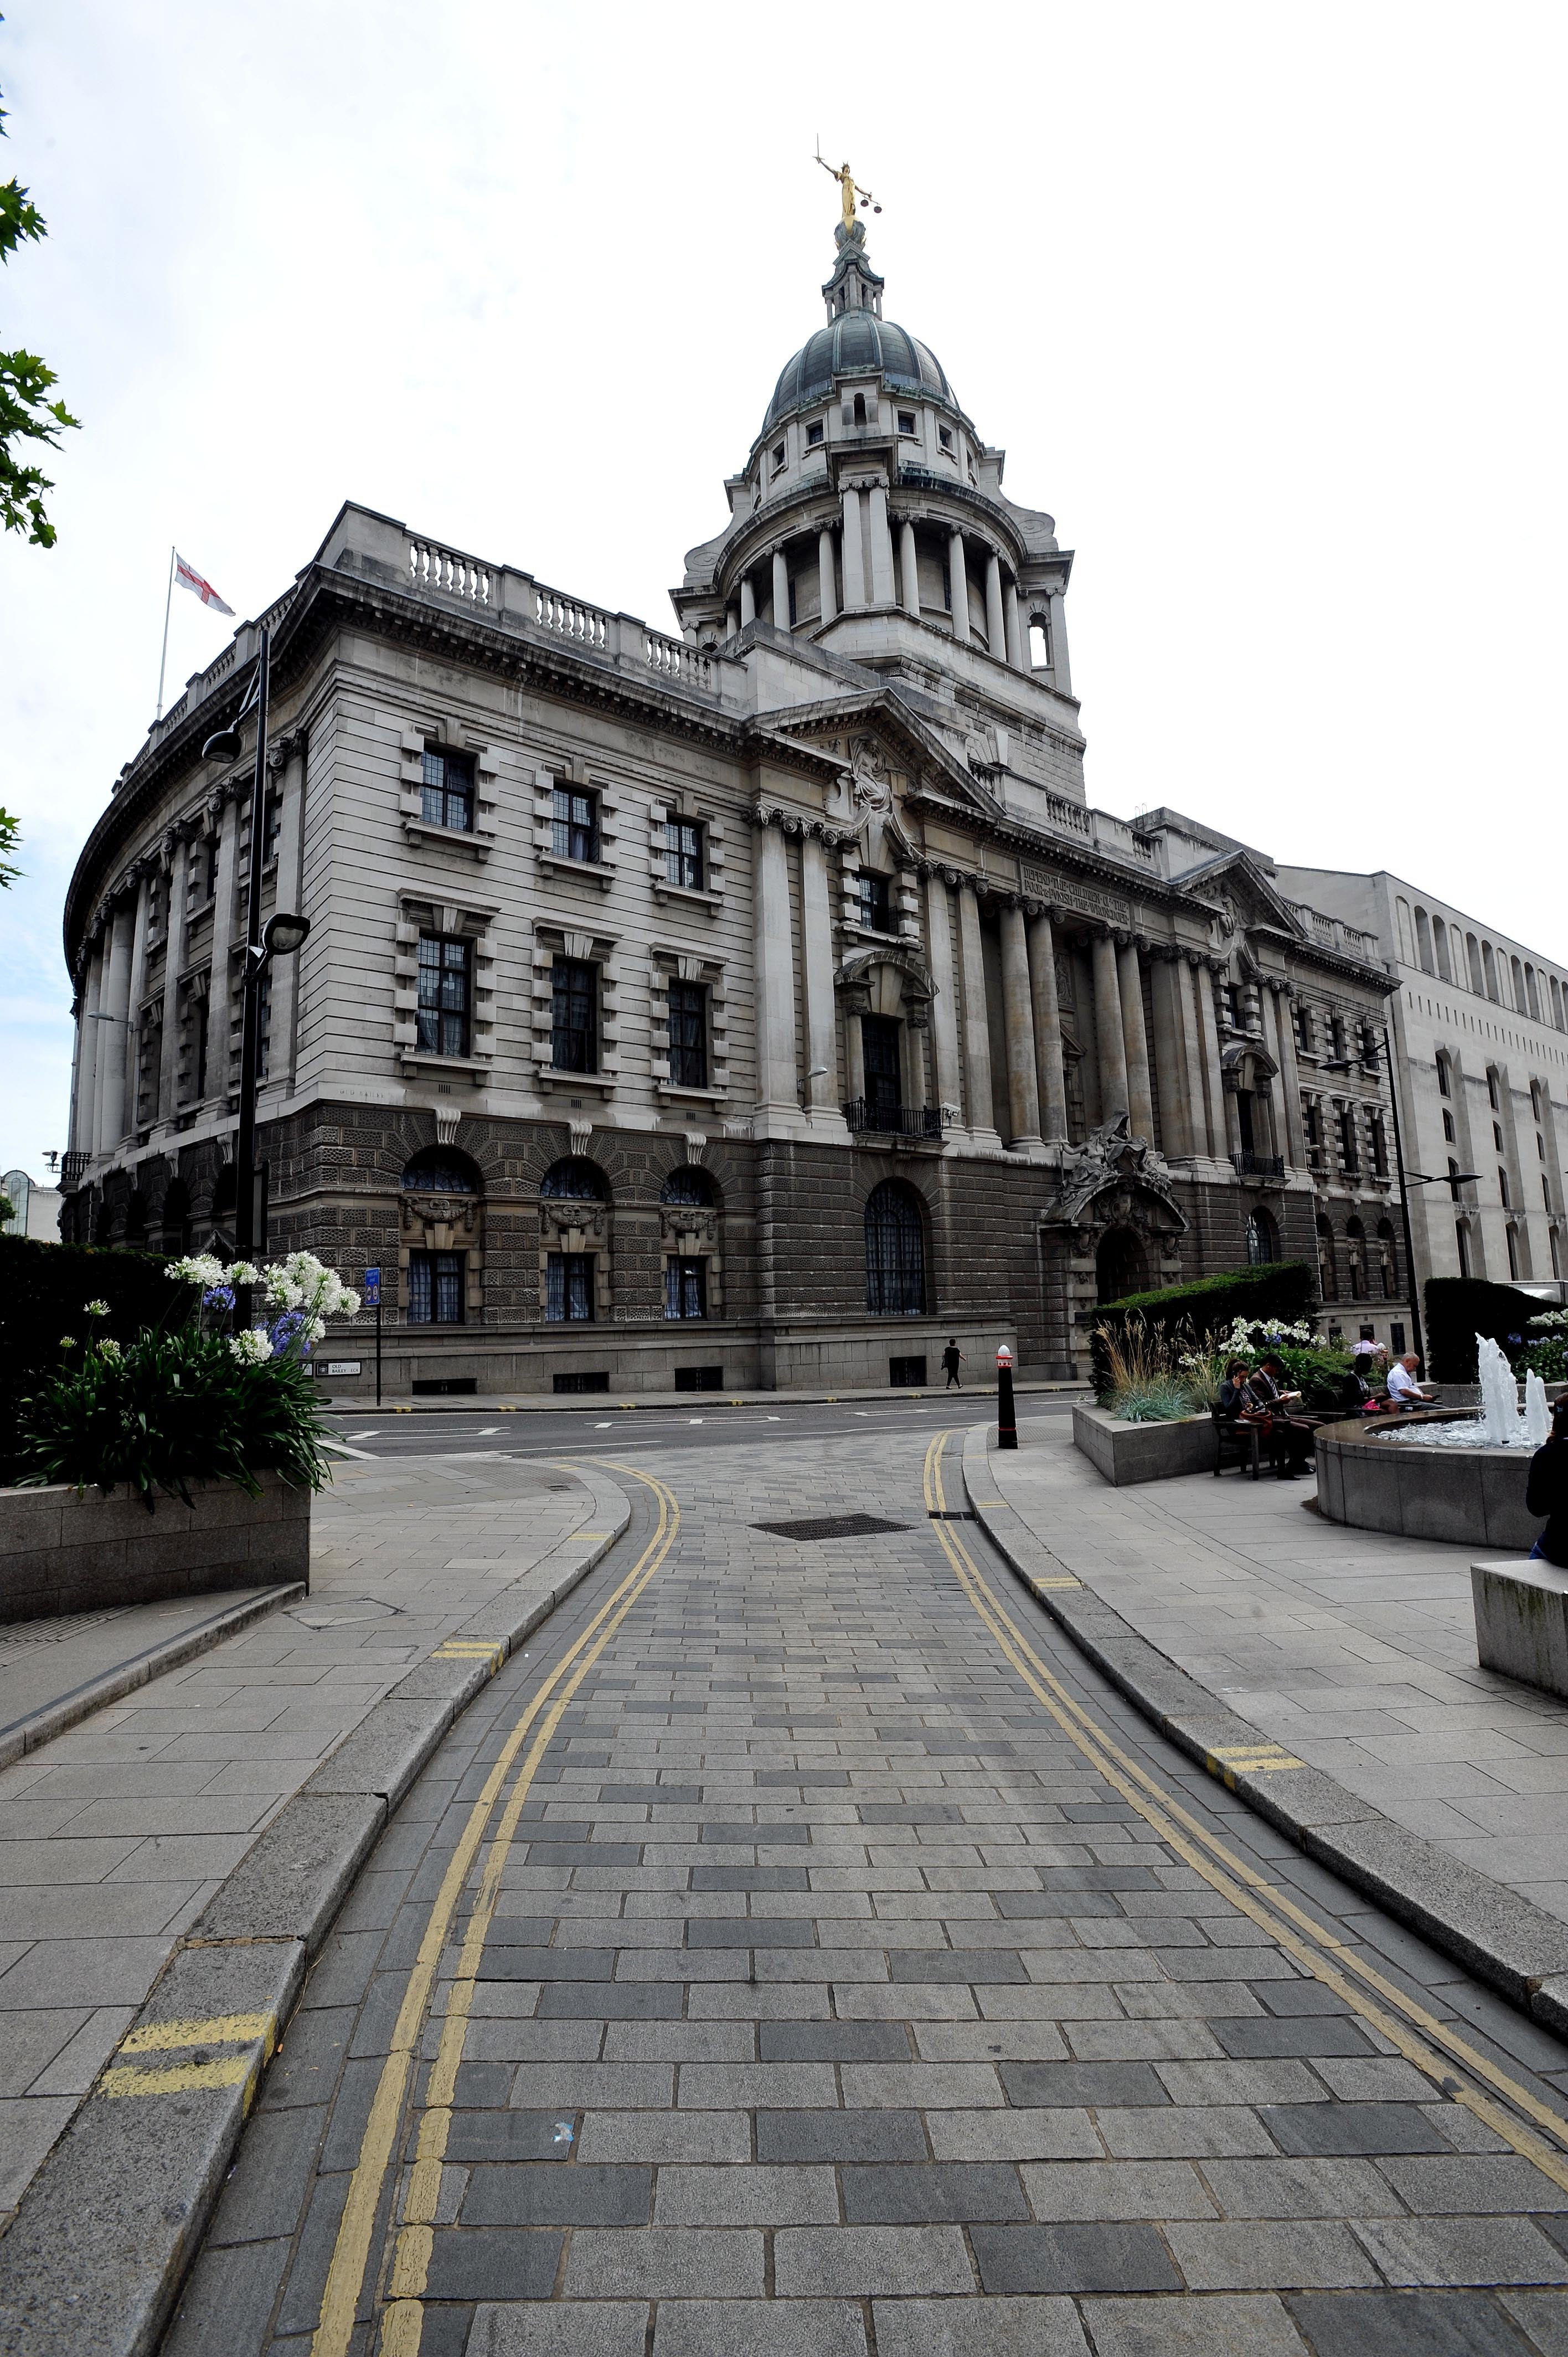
{"points": [[62, 1550], [1128, 1453], [1521, 1621], [1471, 1497]]}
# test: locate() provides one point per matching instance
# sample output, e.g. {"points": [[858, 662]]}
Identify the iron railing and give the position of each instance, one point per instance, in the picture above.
{"points": [[72, 1167], [1258, 1166], [893, 1121]]}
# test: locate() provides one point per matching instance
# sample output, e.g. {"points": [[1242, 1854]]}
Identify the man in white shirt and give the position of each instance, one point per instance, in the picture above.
{"points": [[1404, 1392]]}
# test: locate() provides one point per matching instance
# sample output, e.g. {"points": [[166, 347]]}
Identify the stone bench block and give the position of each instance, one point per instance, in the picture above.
{"points": [[1129, 1453], [1521, 1621], [61, 1551]]}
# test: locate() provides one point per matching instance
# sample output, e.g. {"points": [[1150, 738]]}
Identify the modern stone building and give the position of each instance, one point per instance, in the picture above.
{"points": [[757, 1005], [1481, 1028]]}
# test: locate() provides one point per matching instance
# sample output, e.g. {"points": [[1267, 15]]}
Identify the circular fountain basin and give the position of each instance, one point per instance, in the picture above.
{"points": [[1392, 1477]]}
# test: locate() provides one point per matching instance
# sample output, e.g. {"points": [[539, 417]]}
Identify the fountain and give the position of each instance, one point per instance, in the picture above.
{"points": [[1499, 1424]]}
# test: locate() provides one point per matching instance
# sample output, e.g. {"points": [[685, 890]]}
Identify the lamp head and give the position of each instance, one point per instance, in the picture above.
{"points": [[223, 747], [284, 935]]}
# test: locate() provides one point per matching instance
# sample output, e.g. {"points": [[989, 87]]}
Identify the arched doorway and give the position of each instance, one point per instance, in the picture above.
{"points": [[1263, 1238], [1120, 1266]]}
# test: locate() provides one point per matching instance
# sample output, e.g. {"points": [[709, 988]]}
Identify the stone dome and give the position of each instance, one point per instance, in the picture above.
{"points": [[857, 339]]}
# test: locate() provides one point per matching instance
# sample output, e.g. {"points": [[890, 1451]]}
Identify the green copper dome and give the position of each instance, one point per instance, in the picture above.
{"points": [[856, 340]]}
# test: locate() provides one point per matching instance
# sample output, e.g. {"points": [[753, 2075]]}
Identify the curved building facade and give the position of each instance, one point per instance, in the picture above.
{"points": [[755, 1006]]}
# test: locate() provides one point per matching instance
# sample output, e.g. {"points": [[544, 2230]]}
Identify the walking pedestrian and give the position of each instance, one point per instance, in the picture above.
{"points": [[953, 1358]]}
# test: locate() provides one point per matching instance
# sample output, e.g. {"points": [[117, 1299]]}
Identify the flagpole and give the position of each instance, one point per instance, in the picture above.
{"points": [[163, 658]]}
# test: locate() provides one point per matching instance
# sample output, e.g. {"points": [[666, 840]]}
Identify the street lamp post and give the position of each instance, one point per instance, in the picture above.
{"points": [[282, 938]]}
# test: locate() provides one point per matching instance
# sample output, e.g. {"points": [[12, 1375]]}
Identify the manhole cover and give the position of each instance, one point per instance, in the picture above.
{"points": [[345, 1615], [831, 1526]]}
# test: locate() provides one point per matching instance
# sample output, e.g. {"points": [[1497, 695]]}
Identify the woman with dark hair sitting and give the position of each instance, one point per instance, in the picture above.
{"points": [[1547, 1491], [1290, 1440]]}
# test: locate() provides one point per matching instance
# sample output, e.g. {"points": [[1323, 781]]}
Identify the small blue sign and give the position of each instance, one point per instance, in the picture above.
{"points": [[372, 1288]]}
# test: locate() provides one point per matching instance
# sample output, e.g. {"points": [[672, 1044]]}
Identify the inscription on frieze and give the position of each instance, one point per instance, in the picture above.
{"points": [[1071, 892]]}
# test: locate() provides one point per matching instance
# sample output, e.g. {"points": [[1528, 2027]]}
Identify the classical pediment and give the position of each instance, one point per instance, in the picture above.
{"points": [[1241, 897], [1113, 1177], [878, 738]]}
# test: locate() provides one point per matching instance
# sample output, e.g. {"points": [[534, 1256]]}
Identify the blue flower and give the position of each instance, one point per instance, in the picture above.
{"points": [[219, 1297]]}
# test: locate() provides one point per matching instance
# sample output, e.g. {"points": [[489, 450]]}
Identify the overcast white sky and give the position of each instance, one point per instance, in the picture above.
{"points": [[1264, 305]]}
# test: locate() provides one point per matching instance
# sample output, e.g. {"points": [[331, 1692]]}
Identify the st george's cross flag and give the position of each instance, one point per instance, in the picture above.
{"points": [[189, 578]]}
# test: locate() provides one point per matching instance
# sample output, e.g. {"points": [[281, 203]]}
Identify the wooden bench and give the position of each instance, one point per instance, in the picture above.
{"points": [[1236, 1441]]}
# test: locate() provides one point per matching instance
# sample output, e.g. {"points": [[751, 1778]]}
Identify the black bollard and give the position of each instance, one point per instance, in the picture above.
{"points": [[1006, 1414]]}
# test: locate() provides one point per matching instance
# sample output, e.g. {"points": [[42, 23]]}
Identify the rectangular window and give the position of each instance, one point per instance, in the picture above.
{"points": [[875, 894], [576, 818], [685, 1288], [879, 1044], [683, 853], [688, 1035], [778, 457], [814, 433], [443, 995], [1303, 1019], [569, 1288], [446, 797], [435, 1288], [1503, 1189], [271, 823], [1396, 1338], [199, 1042], [574, 1025], [265, 1024], [907, 422], [1349, 1154], [1379, 1147], [944, 435], [211, 876]]}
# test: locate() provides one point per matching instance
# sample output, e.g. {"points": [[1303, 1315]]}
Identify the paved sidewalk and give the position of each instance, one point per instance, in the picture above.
{"points": [[115, 1836], [1355, 1649]]}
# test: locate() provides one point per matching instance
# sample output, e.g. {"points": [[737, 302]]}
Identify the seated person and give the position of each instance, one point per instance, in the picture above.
{"points": [[1234, 1403], [1404, 1392], [1269, 1383], [1290, 1435]]}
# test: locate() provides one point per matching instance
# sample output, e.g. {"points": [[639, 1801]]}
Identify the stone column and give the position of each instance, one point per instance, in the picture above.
{"points": [[916, 1026], [976, 1030], [1023, 1086], [748, 600], [821, 1015], [908, 569], [957, 583], [854, 554], [1176, 1100], [134, 1008], [1190, 999], [944, 1006], [1294, 1144], [995, 619], [174, 959], [1051, 1078], [286, 896], [78, 1002], [1219, 1116], [826, 586], [776, 1056], [111, 1045], [881, 546], [732, 620], [780, 590], [1108, 1035], [84, 1137], [1061, 671], [854, 1047], [1136, 1042], [1016, 653], [221, 984]]}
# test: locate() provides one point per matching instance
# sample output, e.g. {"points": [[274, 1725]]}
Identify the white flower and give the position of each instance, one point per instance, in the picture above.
{"points": [[250, 1346], [243, 1271], [95, 1308], [198, 1269], [109, 1349]]}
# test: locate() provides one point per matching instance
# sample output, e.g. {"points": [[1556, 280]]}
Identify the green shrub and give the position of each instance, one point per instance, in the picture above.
{"points": [[167, 1409], [1460, 1307], [44, 1292], [1281, 1293], [1317, 1375]]}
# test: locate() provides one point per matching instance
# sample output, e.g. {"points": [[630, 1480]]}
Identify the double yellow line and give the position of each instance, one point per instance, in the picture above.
{"points": [[404, 2320], [1387, 2009]]}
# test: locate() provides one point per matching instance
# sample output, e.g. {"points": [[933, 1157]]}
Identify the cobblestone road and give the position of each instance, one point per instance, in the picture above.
{"points": [[805, 1953]]}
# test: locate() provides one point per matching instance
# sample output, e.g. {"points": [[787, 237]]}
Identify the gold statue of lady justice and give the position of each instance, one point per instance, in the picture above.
{"points": [[849, 188]]}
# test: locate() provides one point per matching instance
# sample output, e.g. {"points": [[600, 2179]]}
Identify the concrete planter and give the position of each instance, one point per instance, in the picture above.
{"points": [[64, 1553], [1126, 1453], [1521, 1621], [1472, 1497]]}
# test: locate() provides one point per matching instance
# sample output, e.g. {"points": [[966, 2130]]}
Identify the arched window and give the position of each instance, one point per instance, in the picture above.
{"points": [[894, 1252], [1512, 1233], [1473, 954], [1516, 971], [859, 409], [1263, 1238], [1557, 1002], [688, 1185], [1401, 918], [1556, 1255], [1492, 1097], [1453, 1178], [1440, 939], [1423, 940], [1388, 1263], [1490, 968], [1535, 1099], [1327, 1276], [1462, 1238], [575, 1180], [1355, 1253], [1532, 991], [442, 1170], [1444, 1075]]}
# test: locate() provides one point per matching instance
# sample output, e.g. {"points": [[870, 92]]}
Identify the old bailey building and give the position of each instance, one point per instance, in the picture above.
{"points": [[754, 1006]]}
